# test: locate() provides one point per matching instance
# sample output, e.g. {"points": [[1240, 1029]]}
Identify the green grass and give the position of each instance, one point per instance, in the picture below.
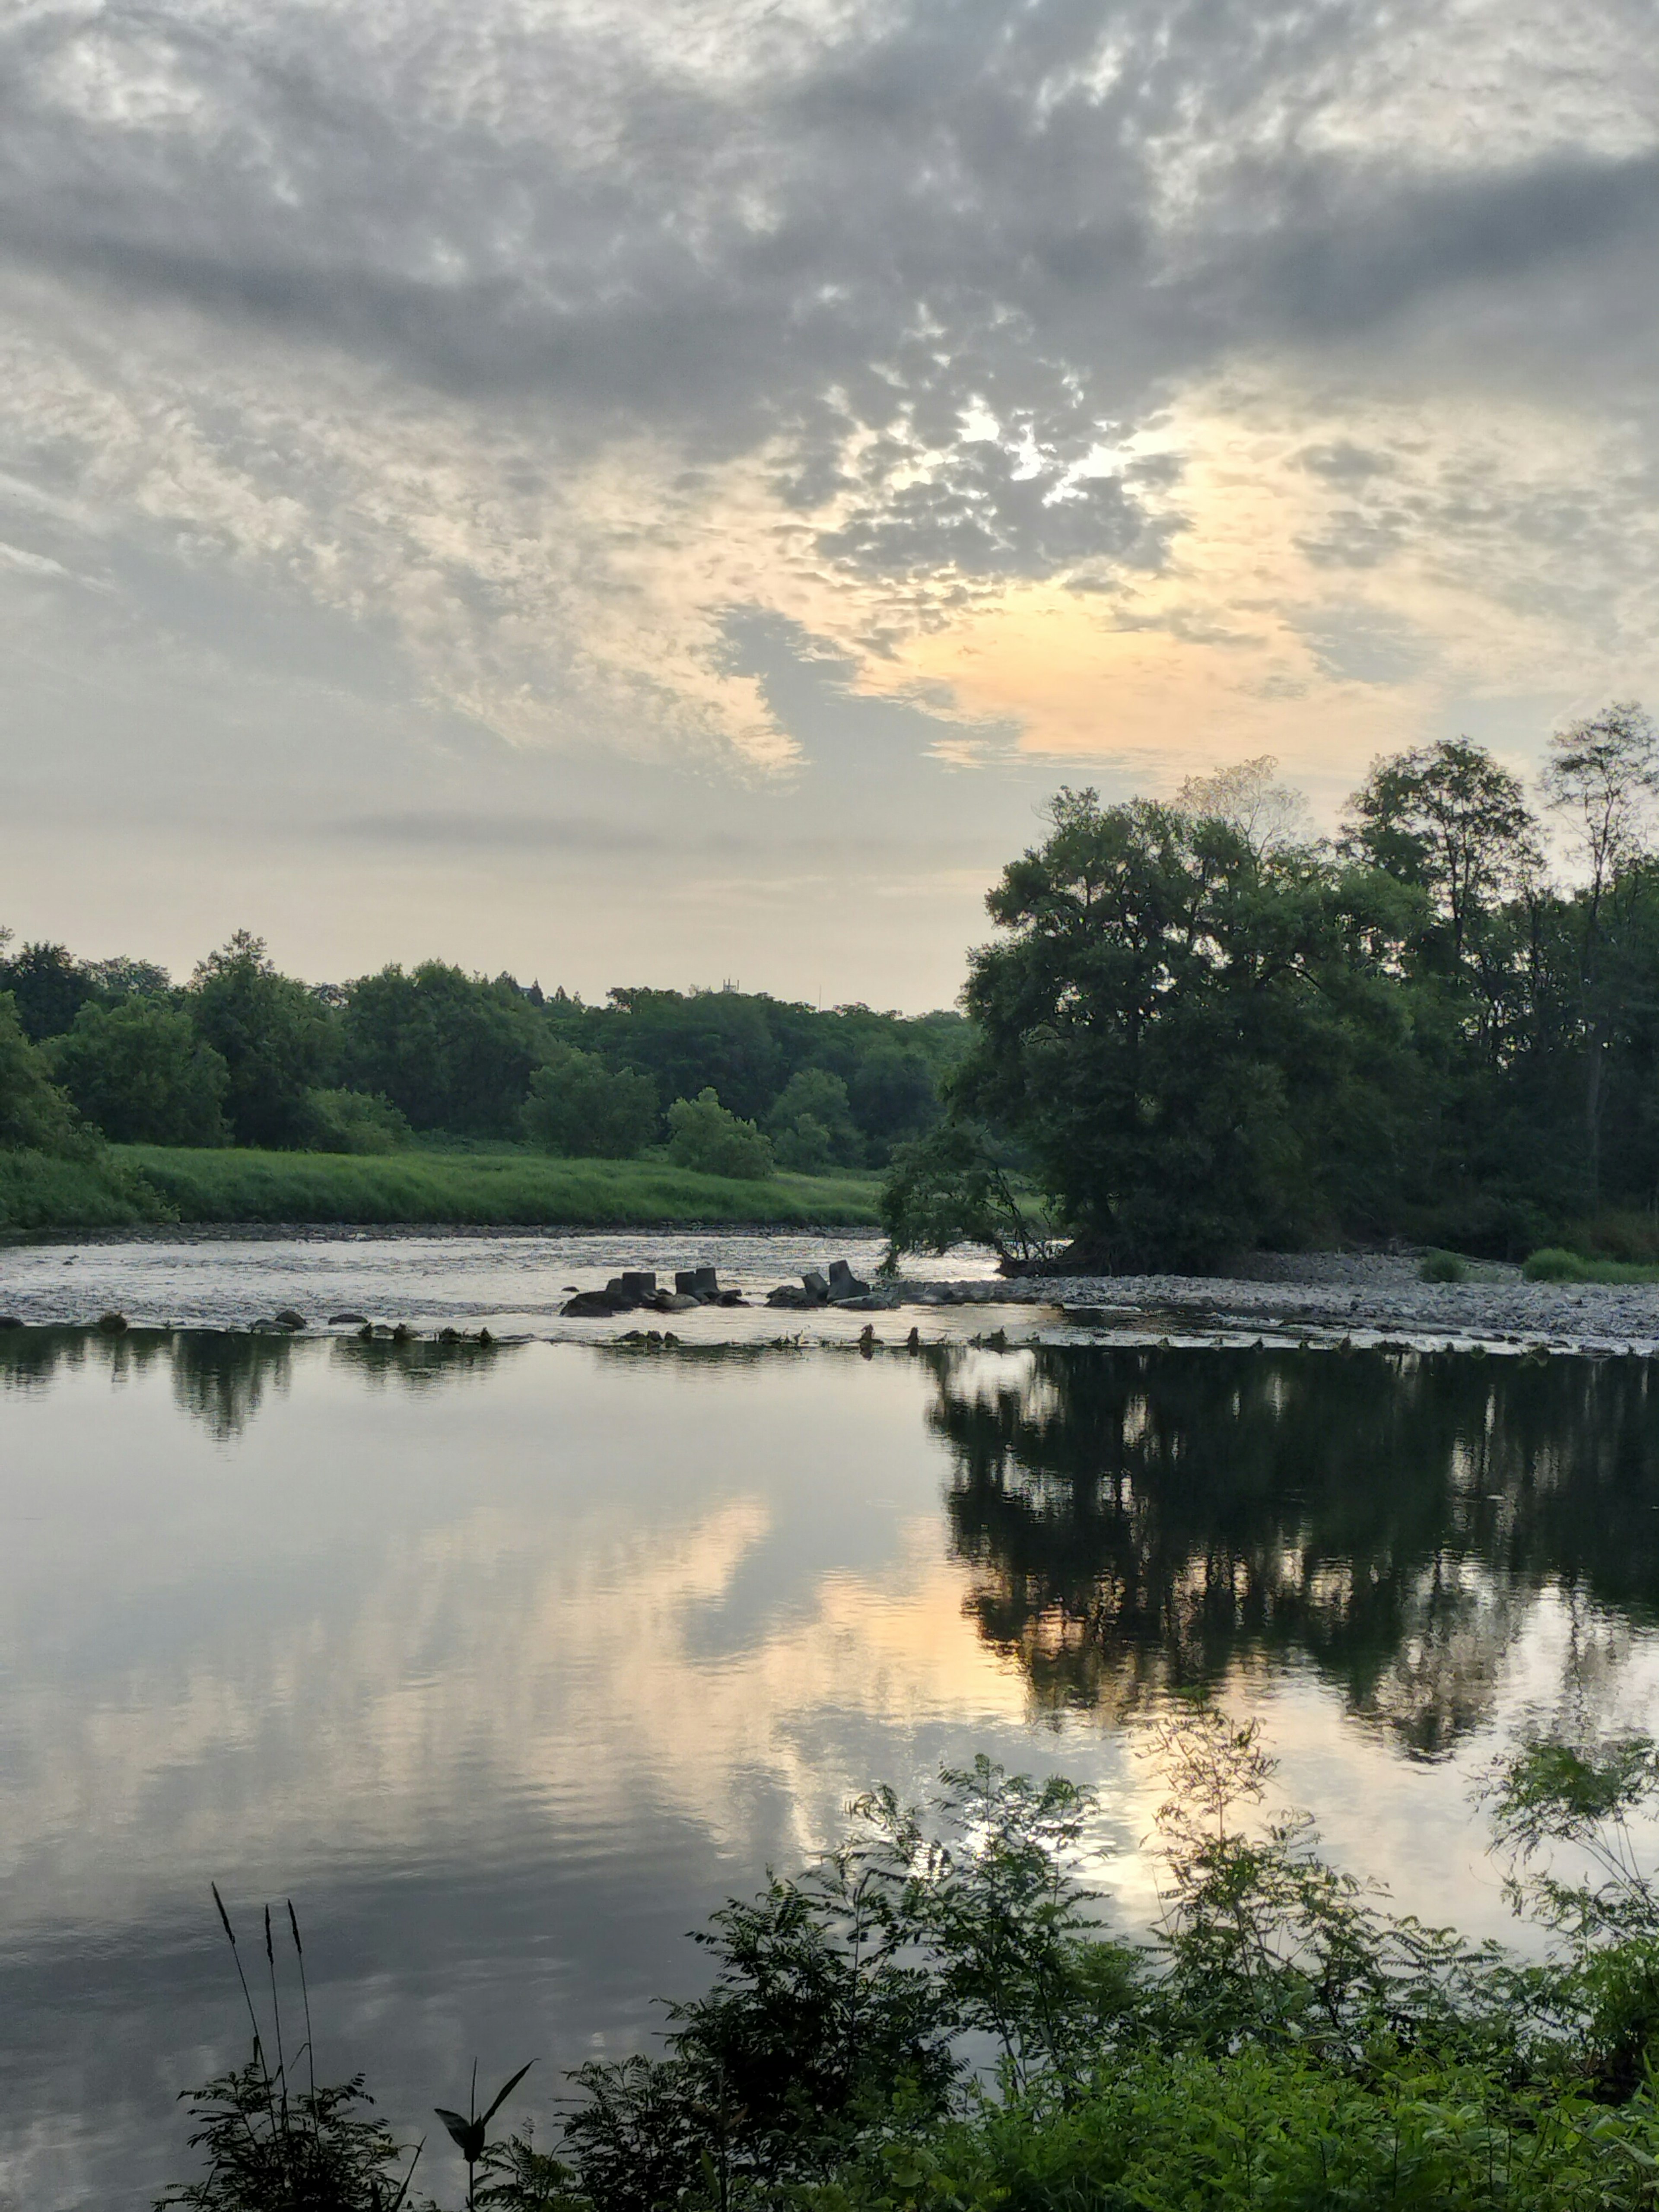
{"points": [[40, 1191], [1555, 1264], [505, 1187]]}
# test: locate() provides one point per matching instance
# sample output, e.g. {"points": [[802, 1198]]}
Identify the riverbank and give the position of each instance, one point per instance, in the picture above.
{"points": [[508, 1187]]}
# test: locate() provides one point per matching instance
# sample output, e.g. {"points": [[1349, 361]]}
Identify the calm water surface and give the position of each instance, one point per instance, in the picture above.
{"points": [[508, 1664]]}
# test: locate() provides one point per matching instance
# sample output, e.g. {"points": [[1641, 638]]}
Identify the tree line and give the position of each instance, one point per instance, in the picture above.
{"points": [[733, 1083], [1201, 1028]]}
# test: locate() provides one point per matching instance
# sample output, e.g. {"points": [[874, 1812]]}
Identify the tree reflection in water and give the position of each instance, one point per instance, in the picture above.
{"points": [[1144, 1520], [222, 1376]]}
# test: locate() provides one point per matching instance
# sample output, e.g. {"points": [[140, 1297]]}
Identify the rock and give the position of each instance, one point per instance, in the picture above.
{"points": [[449, 1334], [700, 1282], [844, 1284], [402, 1333], [484, 1337], [111, 1324], [596, 1306], [866, 1301], [368, 1331], [790, 1294], [677, 1302], [286, 1318], [639, 1283], [348, 1321], [727, 1298], [11, 1321], [816, 1287]]}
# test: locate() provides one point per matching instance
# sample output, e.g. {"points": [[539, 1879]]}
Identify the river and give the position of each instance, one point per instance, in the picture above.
{"points": [[508, 1662]]}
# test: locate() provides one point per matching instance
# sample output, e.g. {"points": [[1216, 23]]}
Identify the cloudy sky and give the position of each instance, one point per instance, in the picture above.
{"points": [[659, 490]]}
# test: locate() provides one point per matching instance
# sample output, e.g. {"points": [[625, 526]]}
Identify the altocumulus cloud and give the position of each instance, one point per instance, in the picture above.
{"points": [[535, 343]]}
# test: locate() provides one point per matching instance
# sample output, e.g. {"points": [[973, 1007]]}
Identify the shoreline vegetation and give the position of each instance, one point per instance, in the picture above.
{"points": [[1200, 1030], [937, 2017], [136, 1186]]}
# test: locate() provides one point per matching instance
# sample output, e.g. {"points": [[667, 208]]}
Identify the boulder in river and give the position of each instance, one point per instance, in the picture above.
{"points": [[11, 1321], [286, 1317], [596, 1306], [346, 1321], [112, 1324]]}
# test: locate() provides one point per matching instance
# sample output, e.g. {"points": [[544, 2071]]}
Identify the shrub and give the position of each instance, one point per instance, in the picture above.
{"points": [[1442, 1267], [704, 1136], [817, 1099], [353, 1122], [1555, 1264], [139, 1070], [579, 1108], [803, 1145]]}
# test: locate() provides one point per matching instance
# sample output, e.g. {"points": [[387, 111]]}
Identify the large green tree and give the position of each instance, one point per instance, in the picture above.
{"points": [[141, 1072], [275, 1039], [451, 1051], [1198, 1043]]}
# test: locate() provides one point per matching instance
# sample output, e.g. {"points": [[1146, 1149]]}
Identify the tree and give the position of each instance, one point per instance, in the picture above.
{"points": [[49, 986], [811, 1123], [1448, 819], [579, 1108], [273, 1037], [1269, 815], [704, 1136], [1602, 773], [139, 1070], [450, 1050], [1195, 1041], [34, 1115]]}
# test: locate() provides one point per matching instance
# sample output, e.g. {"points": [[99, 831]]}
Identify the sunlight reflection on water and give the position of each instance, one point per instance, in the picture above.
{"points": [[508, 1665]]}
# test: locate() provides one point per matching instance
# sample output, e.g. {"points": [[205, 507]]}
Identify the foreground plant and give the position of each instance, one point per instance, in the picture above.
{"points": [[274, 2148], [933, 2019]]}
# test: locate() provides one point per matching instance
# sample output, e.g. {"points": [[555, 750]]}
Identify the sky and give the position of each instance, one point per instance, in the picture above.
{"points": [[662, 491]]}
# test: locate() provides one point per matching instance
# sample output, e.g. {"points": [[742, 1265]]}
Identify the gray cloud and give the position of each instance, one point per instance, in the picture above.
{"points": [[1047, 212]]}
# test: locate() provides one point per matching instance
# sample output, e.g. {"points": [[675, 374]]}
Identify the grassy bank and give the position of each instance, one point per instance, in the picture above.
{"points": [[41, 1191], [501, 1188]]}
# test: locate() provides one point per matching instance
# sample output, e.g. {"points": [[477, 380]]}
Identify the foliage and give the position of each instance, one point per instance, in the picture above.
{"points": [[703, 1136], [451, 1051], [579, 1108], [1553, 1264], [1447, 820], [353, 1122], [504, 1186], [1197, 1043], [949, 1188], [34, 1115], [1206, 1030], [469, 2130], [315, 2150], [1287, 2041], [97, 1190], [141, 1072], [1442, 1267], [274, 1038], [811, 1123]]}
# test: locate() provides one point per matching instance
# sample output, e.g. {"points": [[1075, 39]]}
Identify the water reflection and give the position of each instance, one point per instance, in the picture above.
{"points": [[1139, 1521], [223, 1378]]}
